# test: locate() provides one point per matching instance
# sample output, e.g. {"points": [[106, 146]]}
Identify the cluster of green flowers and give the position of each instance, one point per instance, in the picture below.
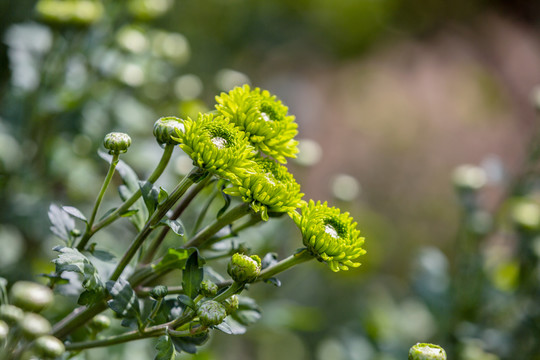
{"points": [[247, 141]]}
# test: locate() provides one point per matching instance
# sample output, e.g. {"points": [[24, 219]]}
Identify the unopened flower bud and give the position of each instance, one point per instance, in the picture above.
{"points": [[159, 292], [211, 313], [11, 314], [117, 142], [31, 296], [423, 351], [4, 330], [231, 304], [244, 268], [208, 288], [49, 347], [100, 323], [34, 325], [165, 130]]}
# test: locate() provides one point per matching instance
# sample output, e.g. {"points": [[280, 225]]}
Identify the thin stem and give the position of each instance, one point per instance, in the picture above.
{"points": [[106, 182], [77, 318], [235, 288], [176, 290], [153, 314], [195, 175], [165, 157], [182, 205], [204, 210], [285, 264], [255, 219], [203, 238]]}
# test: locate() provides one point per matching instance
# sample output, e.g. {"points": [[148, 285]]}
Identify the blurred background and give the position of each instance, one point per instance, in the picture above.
{"points": [[392, 98]]}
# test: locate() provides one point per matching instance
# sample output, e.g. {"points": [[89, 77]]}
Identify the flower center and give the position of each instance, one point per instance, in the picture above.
{"points": [[329, 229], [219, 142], [265, 116], [269, 113], [335, 228]]}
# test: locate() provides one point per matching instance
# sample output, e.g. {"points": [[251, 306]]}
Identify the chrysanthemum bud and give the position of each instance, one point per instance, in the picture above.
{"points": [[4, 330], [11, 314], [49, 347], [231, 304], [34, 325], [159, 292], [211, 313], [100, 322], [166, 128], [329, 235], [31, 296], [116, 142], [244, 268], [208, 288], [423, 351]]}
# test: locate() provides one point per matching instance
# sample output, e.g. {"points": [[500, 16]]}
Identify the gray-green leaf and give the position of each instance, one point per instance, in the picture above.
{"points": [[124, 300], [165, 349]]}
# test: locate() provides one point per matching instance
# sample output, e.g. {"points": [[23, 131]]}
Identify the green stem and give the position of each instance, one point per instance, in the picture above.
{"points": [[285, 264], [204, 210], [194, 176], [153, 314], [235, 288], [203, 238], [182, 205], [176, 290], [106, 182], [77, 318], [255, 219], [165, 157]]}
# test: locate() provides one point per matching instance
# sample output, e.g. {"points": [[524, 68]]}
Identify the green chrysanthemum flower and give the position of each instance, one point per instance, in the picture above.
{"points": [[329, 235], [216, 145], [264, 118], [269, 188]]}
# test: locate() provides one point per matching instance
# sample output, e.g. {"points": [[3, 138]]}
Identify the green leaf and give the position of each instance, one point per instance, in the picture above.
{"points": [[162, 196], [273, 281], [62, 223], [193, 275], [231, 327], [269, 259], [89, 297], [174, 259], [129, 213], [124, 300], [150, 195], [76, 213], [186, 300], [176, 226], [103, 255], [165, 349], [72, 260], [248, 311], [107, 213], [189, 344]]}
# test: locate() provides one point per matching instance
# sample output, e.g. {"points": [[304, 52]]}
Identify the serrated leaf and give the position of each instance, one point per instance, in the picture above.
{"points": [[62, 223], [186, 300], [193, 275], [150, 195], [162, 196], [124, 300], [189, 344], [165, 349], [176, 226], [231, 327], [175, 259], [76, 213], [72, 260]]}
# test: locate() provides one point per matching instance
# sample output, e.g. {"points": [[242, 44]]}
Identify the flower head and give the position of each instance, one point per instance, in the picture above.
{"points": [[211, 313], [329, 235], [264, 118], [165, 129], [269, 188], [117, 142], [244, 268], [216, 145]]}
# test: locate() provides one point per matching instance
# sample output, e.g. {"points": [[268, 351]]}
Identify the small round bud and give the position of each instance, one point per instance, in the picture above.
{"points": [[211, 313], [208, 288], [165, 130], [49, 347], [11, 314], [117, 142], [231, 304], [31, 296], [100, 323], [159, 292], [34, 325], [423, 351], [243, 268], [75, 232], [4, 330]]}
